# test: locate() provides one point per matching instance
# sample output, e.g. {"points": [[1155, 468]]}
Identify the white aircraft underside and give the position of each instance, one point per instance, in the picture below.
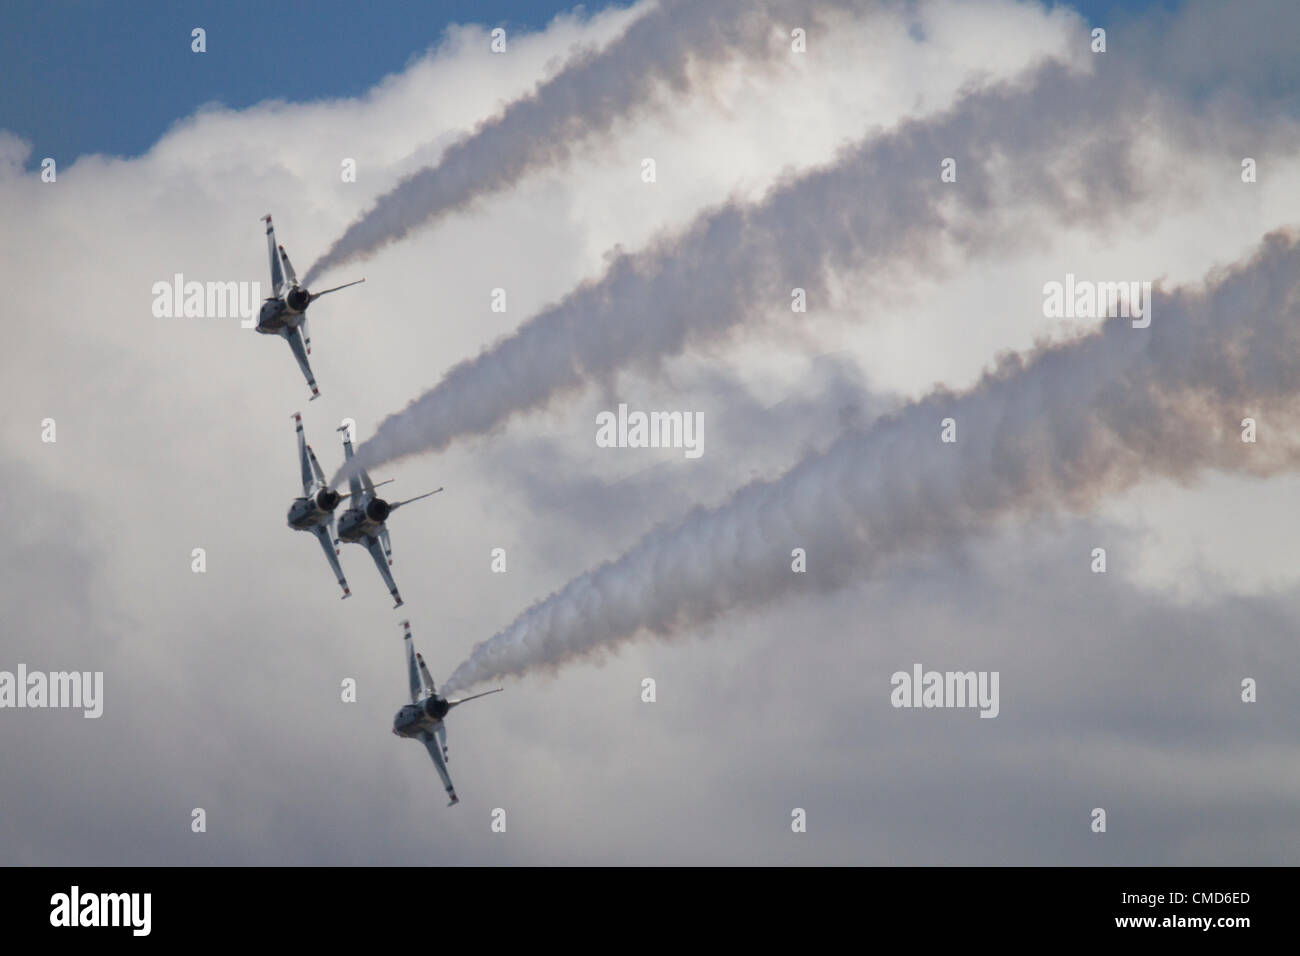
{"points": [[314, 511], [364, 521], [423, 717], [285, 313]]}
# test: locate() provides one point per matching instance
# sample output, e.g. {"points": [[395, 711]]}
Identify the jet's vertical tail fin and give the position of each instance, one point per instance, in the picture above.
{"points": [[466, 700], [397, 504]]}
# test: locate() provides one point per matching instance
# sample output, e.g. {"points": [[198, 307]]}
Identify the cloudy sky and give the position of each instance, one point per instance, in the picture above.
{"points": [[523, 171]]}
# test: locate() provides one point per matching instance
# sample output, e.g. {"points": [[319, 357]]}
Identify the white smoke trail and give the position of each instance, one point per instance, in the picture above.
{"points": [[1058, 428], [880, 204], [672, 48]]}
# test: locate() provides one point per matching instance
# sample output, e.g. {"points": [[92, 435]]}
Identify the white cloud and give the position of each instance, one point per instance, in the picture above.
{"points": [[222, 689]]}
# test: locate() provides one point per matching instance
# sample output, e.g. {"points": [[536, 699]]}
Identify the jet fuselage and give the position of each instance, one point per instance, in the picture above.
{"points": [[307, 513], [280, 314], [357, 523], [415, 719]]}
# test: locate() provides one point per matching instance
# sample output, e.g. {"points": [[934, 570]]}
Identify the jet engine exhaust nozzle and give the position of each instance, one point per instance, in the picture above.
{"points": [[297, 299]]}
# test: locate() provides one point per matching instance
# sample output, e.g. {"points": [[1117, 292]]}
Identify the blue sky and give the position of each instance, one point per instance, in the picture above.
{"points": [[99, 77], [84, 77]]}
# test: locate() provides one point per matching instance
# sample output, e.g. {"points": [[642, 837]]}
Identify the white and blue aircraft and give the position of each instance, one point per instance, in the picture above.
{"points": [[314, 510], [363, 522], [423, 717], [285, 312]]}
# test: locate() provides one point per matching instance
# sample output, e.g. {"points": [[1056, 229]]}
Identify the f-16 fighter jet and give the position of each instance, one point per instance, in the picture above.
{"points": [[423, 717], [363, 522], [285, 313], [314, 511]]}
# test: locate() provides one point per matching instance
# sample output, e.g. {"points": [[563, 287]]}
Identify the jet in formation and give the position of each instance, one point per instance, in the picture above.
{"points": [[285, 312], [364, 521], [314, 511], [423, 717]]}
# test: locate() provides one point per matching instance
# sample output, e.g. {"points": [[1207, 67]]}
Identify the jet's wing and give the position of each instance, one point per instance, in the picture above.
{"points": [[386, 543], [435, 751], [381, 562], [277, 274], [288, 267], [424, 672], [441, 731], [302, 457], [361, 479], [412, 673], [354, 483], [315, 467], [332, 556], [294, 338]]}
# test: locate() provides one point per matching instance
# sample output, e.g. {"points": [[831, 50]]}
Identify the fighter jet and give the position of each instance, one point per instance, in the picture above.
{"points": [[363, 522], [285, 313], [314, 511], [423, 717]]}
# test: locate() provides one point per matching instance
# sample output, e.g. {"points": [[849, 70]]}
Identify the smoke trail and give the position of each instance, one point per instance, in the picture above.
{"points": [[676, 46], [1058, 428], [1076, 139]]}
